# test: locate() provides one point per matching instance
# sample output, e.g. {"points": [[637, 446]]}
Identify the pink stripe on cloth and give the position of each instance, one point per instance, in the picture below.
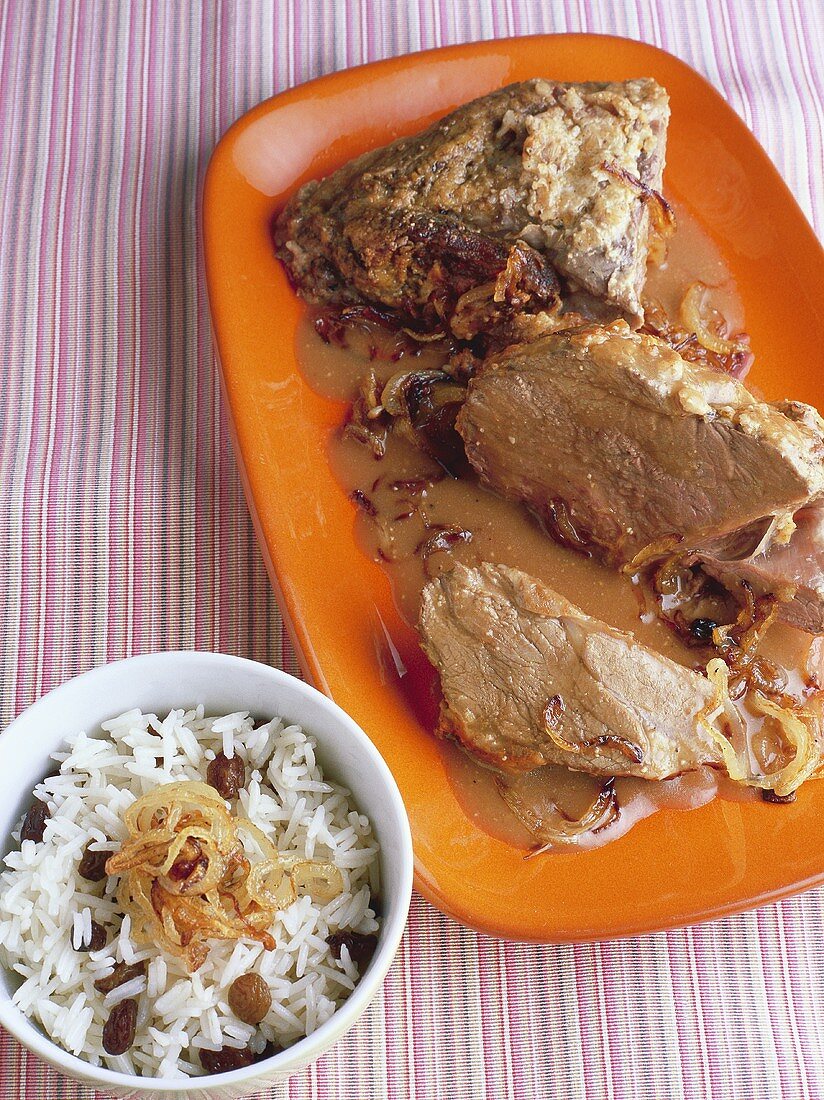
{"points": [[123, 527]]}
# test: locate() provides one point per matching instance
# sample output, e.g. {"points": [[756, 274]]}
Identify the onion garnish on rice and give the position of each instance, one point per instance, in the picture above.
{"points": [[186, 876]]}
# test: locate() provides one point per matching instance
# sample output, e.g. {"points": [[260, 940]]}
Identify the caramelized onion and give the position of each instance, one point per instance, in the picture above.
{"points": [[373, 438], [553, 711], [684, 592], [527, 278], [475, 312], [653, 551], [365, 316], [718, 676], [334, 325], [799, 734], [738, 645], [684, 340], [798, 728], [560, 830], [668, 579], [424, 337], [363, 502], [367, 423], [662, 215], [442, 538], [561, 528], [415, 486], [321, 881], [393, 395], [185, 876], [424, 405], [409, 389], [629, 749], [692, 316]]}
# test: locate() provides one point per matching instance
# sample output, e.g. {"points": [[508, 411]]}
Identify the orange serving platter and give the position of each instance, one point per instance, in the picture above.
{"points": [[674, 868]]}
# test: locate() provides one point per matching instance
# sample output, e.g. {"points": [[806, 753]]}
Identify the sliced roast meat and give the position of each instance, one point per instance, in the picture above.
{"points": [[524, 674], [616, 439], [566, 173]]}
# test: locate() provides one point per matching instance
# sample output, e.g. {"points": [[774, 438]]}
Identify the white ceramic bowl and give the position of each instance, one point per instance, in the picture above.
{"points": [[157, 682]]}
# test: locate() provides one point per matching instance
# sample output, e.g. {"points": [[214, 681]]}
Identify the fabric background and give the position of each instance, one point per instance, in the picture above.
{"points": [[123, 528]]}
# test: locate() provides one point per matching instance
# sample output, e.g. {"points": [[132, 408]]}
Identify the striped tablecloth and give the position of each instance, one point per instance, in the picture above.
{"points": [[123, 528]]}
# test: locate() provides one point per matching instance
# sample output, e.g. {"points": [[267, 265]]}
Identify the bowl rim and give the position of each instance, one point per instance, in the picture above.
{"points": [[313, 1045]]}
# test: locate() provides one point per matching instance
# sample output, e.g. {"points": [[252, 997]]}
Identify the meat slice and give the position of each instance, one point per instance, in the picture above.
{"points": [[566, 171], [613, 438], [517, 660]]}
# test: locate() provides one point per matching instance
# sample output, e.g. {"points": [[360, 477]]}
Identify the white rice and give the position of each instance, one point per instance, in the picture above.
{"points": [[46, 908]]}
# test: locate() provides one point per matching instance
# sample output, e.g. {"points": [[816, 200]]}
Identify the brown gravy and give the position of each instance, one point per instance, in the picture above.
{"points": [[390, 530]]}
